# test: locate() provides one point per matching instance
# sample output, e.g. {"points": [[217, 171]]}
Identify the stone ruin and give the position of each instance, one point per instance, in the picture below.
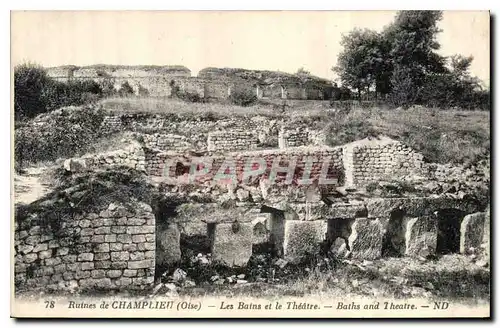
{"points": [[124, 245], [160, 81]]}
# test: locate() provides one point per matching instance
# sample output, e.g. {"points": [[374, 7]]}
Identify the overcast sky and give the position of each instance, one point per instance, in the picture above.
{"points": [[281, 41]]}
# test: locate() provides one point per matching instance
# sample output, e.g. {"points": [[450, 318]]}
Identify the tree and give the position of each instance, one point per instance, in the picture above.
{"points": [[302, 72], [413, 42], [30, 82], [363, 64]]}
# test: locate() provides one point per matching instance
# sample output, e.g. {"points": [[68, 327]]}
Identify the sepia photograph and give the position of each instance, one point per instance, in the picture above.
{"points": [[250, 164]]}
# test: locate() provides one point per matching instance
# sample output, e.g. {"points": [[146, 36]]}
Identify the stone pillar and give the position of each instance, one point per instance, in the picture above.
{"points": [[276, 226], [303, 238], [282, 138], [365, 241], [421, 236], [283, 92], [471, 231], [168, 249], [232, 243]]}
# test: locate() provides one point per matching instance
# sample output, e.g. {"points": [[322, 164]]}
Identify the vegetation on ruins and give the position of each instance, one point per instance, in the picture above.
{"points": [[83, 193], [62, 133], [400, 64], [243, 97], [35, 92]]}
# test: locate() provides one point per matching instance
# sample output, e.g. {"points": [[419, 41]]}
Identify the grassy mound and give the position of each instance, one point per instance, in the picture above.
{"points": [[86, 193]]}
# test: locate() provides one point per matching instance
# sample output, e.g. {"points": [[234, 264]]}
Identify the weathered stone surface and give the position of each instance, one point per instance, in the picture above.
{"points": [[168, 249], [75, 165], [232, 243], [471, 231], [303, 238], [421, 236], [192, 228], [365, 241]]}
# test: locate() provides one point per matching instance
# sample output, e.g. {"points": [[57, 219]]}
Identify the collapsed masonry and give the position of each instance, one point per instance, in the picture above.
{"points": [[117, 248]]}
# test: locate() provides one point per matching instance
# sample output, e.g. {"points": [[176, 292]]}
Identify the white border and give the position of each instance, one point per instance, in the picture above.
{"points": [[190, 5]]}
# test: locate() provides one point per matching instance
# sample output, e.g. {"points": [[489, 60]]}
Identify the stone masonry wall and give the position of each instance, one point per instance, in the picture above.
{"points": [[303, 157], [354, 230], [131, 155], [112, 249], [380, 160], [232, 140], [166, 142], [299, 136]]}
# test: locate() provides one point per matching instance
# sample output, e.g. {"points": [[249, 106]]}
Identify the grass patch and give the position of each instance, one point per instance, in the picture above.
{"points": [[442, 136]]}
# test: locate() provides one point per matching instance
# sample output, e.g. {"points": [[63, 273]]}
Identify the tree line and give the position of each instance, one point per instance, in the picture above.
{"points": [[400, 64]]}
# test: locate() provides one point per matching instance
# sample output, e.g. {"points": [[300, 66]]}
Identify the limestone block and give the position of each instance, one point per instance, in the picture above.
{"points": [[365, 241], [75, 165], [303, 238], [471, 231], [421, 236], [168, 249], [232, 243]]}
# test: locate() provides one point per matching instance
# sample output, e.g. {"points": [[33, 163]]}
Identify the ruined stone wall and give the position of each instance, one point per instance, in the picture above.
{"points": [[131, 155], [367, 229], [192, 85], [232, 140], [314, 158], [166, 142], [384, 160], [289, 136], [217, 90], [110, 249], [156, 81], [194, 131], [295, 92]]}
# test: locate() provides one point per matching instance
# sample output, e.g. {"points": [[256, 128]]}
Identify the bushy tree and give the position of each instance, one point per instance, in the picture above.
{"points": [[126, 89], [413, 42], [364, 63], [35, 92], [30, 82], [402, 62]]}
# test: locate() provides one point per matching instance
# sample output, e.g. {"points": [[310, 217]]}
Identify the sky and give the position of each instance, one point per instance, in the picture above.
{"points": [[270, 40]]}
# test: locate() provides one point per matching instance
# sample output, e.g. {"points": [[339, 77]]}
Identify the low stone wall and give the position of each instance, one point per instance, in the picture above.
{"points": [[110, 249], [232, 140], [131, 155]]}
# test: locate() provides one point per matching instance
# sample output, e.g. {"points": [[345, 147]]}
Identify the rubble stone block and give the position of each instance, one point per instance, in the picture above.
{"points": [[303, 238], [365, 241], [232, 243], [421, 236], [471, 231]]}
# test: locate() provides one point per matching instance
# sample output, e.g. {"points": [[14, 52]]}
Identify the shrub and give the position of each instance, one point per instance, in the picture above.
{"points": [[35, 92], [125, 89], [243, 98], [448, 91], [190, 96], [30, 83], [64, 133]]}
